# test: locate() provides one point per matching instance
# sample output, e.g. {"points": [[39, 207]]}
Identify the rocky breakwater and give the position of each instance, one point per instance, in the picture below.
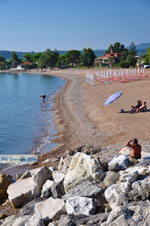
{"points": [[83, 191]]}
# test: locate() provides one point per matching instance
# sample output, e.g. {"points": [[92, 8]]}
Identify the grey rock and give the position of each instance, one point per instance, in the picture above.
{"points": [[81, 205], [129, 177], [23, 176], [111, 178], [83, 167], [35, 220], [54, 223], [134, 214], [117, 194], [73, 220], [140, 190], [51, 209], [22, 191], [64, 163], [119, 163], [58, 176], [25, 190], [40, 175], [15, 220], [57, 190], [46, 190], [86, 189], [28, 209]]}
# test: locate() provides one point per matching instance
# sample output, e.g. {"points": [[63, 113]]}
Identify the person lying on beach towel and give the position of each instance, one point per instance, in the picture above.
{"points": [[142, 108], [134, 108]]}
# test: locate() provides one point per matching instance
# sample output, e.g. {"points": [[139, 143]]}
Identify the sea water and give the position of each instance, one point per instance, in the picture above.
{"points": [[26, 123]]}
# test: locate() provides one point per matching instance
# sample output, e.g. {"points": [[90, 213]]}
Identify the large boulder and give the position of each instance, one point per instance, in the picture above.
{"points": [[116, 194], [129, 176], [58, 176], [119, 163], [140, 169], [86, 189], [134, 214], [82, 167], [5, 181], [81, 205], [40, 175], [28, 208], [111, 178], [140, 190], [51, 209], [25, 190], [64, 163], [145, 159]]}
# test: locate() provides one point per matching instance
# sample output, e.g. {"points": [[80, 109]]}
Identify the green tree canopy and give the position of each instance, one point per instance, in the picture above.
{"points": [[87, 57], [2, 59], [42, 62], [37, 56], [62, 61], [14, 60], [51, 57], [147, 57], [116, 48], [3, 64], [73, 57], [29, 57], [133, 51]]}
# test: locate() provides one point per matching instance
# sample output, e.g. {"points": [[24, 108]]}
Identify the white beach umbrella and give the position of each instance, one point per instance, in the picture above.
{"points": [[113, 98]]}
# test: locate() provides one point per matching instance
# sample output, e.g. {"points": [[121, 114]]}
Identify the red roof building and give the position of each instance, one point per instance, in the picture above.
{"points": [[109, 59], [26, 63]]}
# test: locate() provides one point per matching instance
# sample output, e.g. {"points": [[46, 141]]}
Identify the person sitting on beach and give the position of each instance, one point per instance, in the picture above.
{"points": [[135, 148], [142, 108], [134, 108]]}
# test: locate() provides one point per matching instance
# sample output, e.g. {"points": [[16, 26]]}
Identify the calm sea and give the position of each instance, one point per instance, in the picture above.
{"points": [[26, 123]]}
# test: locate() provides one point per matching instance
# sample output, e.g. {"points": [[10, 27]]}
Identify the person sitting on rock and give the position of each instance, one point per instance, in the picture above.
{"points": [[135, 148], [142, 108]]}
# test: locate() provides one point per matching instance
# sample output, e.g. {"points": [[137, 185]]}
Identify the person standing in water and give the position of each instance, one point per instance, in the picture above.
{"points": [[44, 97]]}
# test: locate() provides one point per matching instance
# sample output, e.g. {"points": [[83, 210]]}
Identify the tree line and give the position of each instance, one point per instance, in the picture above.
{"points": [[51, 59], [74, 58]]}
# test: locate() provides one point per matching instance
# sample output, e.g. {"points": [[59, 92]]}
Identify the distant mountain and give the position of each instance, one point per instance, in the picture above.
{"points": [[99, 52], [7, 54], [142, 46]]}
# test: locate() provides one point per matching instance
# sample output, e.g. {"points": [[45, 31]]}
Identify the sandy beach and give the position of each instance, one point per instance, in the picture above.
{"points": [[82, 119]]}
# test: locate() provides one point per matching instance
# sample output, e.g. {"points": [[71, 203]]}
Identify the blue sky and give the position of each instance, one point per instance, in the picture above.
{"points": [[35, 25]]}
